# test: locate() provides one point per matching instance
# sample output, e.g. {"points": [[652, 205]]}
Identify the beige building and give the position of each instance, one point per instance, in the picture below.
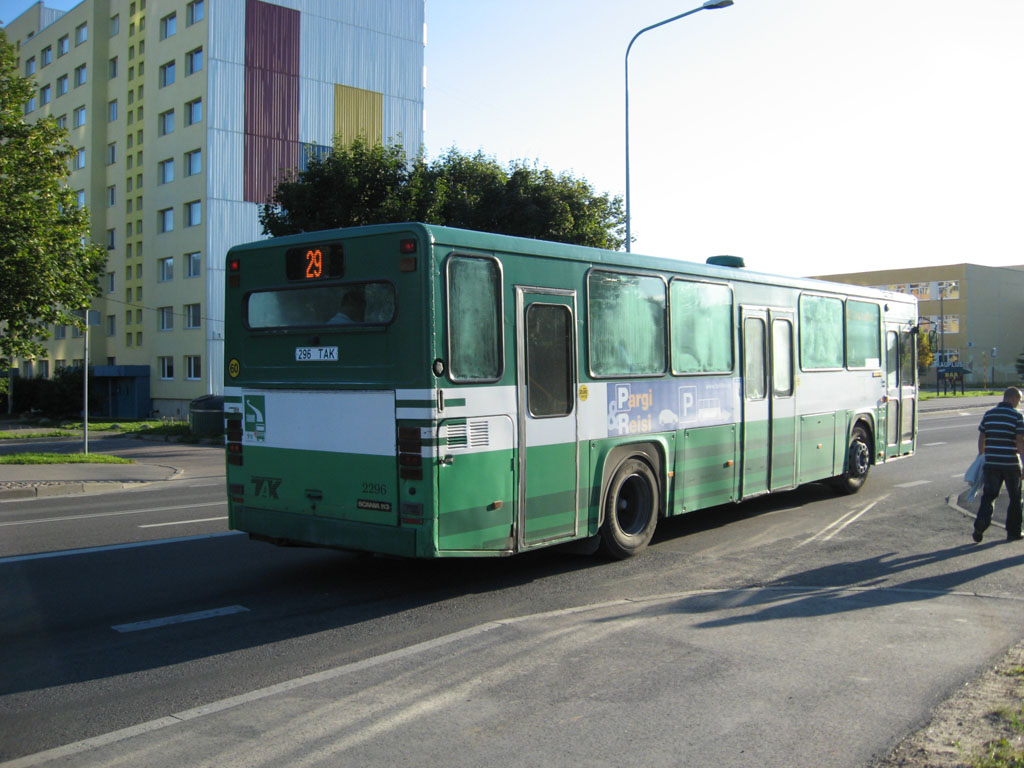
{"points": [[183, 114], [973, 314]]}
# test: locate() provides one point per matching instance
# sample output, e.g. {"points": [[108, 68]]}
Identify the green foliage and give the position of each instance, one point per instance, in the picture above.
{"points": [[925, 356], [363, 183], [47, 267], [58, 398]]}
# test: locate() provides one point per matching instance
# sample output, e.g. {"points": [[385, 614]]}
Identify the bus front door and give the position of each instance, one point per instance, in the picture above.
{"points": [[546, 387], [900, 389], [754, 450]]}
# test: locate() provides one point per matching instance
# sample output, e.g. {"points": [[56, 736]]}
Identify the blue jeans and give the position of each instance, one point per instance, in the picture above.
{"points": [[994, 479]]}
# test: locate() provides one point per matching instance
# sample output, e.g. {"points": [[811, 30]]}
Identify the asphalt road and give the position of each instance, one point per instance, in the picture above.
{"points": [[801, 629]]}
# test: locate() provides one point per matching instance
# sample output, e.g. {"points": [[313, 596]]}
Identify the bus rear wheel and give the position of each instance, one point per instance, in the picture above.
{"points": [[631, 507], [858, 462]]}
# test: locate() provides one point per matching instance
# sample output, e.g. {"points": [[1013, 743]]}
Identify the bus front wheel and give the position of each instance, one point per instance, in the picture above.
{"points": [[858, 462], [630, 509]]}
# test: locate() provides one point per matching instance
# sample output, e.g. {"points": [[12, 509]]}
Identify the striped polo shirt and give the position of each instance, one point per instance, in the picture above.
{"points": [[1001, 426]]}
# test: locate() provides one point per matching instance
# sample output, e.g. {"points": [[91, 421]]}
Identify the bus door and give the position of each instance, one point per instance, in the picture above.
{"points": [[754, 450], [782, 402], [546, 393], [769, 407], [900, 389]]}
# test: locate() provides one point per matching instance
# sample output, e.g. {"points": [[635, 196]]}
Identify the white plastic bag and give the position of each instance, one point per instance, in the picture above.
{"points": [[974, 477]]}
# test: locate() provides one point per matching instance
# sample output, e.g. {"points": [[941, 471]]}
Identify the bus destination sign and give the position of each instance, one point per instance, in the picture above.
{"points": [[314, 262]]}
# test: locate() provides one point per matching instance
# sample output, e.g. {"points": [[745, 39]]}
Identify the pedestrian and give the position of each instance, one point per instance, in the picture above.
{"points": [[1001, 440]]}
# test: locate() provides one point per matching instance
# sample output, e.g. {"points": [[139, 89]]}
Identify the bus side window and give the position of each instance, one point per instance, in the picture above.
{"points": [[626, 329], [863, 334], [475, 333], [821, 332], [701, 327]]}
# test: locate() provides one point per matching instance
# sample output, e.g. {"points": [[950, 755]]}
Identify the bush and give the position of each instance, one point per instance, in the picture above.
{"points": [[56, 398]]}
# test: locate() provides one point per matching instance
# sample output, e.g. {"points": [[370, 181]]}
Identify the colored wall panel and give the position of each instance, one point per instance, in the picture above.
{"points": [[272, 42], [358, 112]]}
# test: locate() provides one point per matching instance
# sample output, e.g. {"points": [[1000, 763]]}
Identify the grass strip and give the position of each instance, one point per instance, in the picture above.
{"points": [[63, 458]]}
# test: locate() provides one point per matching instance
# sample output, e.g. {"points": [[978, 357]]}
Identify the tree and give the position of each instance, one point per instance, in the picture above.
{"points": [[925, 356], [48, 268], [362, 183]]}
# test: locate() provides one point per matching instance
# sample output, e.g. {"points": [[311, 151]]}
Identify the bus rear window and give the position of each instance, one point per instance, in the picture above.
{"points": [[330, 305]]}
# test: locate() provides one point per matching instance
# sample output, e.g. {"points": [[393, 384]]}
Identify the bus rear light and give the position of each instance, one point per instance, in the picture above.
{"points": [[237, 489], [407, 246], [409, 433], [408, 473], [408, 264], [235, 460], [410, 460], [234, 265], [411, 513], [234, 270], [235, 448]]}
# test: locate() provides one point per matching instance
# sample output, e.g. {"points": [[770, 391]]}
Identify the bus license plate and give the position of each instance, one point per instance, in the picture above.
{"points": [[316, 354]]}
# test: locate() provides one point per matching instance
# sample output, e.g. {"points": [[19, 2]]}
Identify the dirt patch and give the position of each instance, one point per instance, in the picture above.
{"points": [[964, 724]]}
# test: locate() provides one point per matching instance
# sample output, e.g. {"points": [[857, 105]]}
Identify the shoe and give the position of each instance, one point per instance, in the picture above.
{"points": [[1018, 537], [977, 537]]}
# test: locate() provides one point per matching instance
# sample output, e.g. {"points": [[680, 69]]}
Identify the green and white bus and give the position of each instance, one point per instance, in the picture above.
{"points": [[424, 391]]}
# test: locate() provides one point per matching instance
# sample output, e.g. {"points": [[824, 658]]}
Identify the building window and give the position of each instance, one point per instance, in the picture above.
{"points": [[62, 121], [62, 46], [194, 12], [168, 26], [46, 57], [128, 339], [166, 268], [167, 74], [193, 162], [193, 316], [80, 198], [111, 195], [193, 62], [166, 367], [112, 67], [111, 325], [60, 331], [138, 336], [193, 214], [79, 117], [79, 162], [44, 369], [26, 369], [165, 121], [193, 262], [112, 110], [193, 367], [30, 105], [193, 112], [30, 66], [166, 315], [165, 220], [62, 85], [166, 168], [81, 33], [110, 239], [81, 75], [115, 25], [110, 282], [45, 94]]}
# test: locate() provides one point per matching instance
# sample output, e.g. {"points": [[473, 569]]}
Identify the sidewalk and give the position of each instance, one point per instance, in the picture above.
{"points": [[155, 461]]}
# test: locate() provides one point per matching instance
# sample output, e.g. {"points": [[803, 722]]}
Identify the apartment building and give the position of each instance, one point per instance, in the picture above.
{"points": [[972, 313], [183, 115]]}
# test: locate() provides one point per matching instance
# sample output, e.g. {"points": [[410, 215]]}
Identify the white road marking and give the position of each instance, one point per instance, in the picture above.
{"points": [[832, 529], [181, 618], [114, 547], [925, 445], [112, 514], [184, 522], [913, 483]]}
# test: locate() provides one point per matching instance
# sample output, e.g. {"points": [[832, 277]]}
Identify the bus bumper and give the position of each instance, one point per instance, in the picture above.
{"points": [[288, 527]]}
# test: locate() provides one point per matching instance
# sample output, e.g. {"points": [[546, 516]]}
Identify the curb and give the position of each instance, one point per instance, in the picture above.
{"points": [[67, 489]]}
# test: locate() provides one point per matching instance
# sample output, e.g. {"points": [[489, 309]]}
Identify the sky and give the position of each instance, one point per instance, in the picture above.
{"points": [[807, 136]]}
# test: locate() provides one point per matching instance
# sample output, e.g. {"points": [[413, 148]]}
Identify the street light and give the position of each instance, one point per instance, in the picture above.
{"points": [[708, 5]]}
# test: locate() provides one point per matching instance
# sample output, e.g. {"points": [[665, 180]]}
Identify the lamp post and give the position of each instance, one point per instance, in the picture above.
{"points": [[708, 5]]}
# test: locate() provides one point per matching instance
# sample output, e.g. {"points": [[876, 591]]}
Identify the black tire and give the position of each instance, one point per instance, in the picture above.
{"points": [[631, 507], [858, 463]]}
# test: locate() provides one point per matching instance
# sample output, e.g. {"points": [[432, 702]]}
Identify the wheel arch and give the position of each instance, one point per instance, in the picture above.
{"points": [[652, 452]]}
